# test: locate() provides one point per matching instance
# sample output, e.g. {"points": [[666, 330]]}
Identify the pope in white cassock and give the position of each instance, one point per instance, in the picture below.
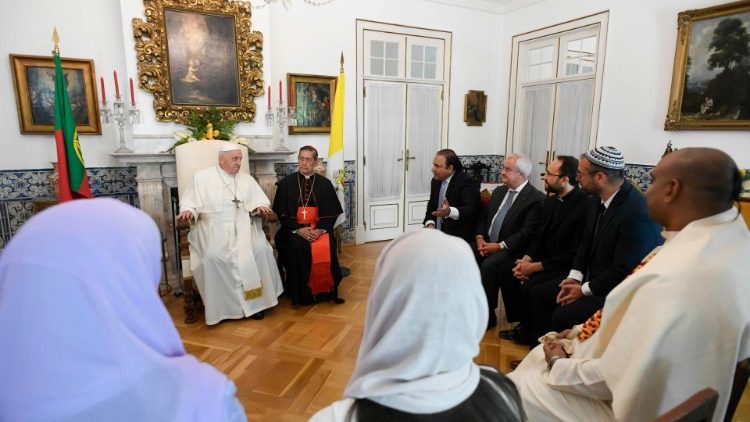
{"points": [[231, 260]]}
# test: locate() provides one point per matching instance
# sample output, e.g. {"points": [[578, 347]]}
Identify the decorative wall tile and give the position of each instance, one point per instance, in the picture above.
{"points": [[19, 189], [640, 174]]}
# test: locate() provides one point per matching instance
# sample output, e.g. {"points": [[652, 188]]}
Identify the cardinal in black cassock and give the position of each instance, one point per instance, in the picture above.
{"points": [[300, 190]]}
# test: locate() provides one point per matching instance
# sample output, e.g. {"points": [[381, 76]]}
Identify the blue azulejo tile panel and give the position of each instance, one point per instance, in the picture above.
{"points": [[19, 189], [640, 174]]}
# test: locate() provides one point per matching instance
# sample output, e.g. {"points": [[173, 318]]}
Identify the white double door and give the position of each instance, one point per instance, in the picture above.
{"points": [[403, 130]]}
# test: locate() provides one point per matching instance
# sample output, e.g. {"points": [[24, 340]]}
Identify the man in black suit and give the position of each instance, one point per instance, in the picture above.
{"points": [[618, 234], [454, 197], [552, 251], [507, 225]]}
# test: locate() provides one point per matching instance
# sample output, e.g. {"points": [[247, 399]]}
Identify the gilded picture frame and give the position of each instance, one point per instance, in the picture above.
{"points": [[198, 54], [475, 108], [711, 75], [312, 99], [34, 83]]}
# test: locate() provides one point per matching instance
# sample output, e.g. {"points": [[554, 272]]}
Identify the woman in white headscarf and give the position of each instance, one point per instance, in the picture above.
{"points": [[84, 334], [426, 315]]}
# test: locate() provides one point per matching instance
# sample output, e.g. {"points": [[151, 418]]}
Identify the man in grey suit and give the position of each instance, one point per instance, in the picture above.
{"points": [[507, 226]]}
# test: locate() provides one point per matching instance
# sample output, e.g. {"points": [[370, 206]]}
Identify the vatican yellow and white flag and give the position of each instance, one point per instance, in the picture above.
{"points": [[335, 167]]}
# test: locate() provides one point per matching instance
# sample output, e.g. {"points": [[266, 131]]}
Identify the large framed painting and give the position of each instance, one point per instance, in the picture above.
{"points": [[711, 76], [34, 81], [198, 54], [475, 108], [312, 97]]}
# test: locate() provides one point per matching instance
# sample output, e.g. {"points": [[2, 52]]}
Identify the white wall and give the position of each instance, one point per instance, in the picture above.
{"points": [[88, 29], [637, 74], [303, 39]]}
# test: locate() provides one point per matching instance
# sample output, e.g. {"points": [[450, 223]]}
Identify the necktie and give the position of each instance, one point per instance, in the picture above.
{"points": [[599, 215], [441, 198], [497, 223]]}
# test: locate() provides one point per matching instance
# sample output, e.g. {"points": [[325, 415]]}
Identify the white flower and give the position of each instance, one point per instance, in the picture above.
{"points": [[240, 140], [181, 134]]}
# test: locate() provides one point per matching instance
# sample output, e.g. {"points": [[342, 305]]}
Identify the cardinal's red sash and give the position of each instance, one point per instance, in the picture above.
{"points": [[321, 279]]}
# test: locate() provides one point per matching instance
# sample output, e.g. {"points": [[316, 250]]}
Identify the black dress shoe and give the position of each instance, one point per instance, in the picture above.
{"points": [[515, 335], [345, 271], [514, 364], [508, 335], [258, 316], [337, 300]]}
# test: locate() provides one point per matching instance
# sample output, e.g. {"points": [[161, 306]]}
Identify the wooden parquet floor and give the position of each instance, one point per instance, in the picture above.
{"points": [[295, 362]]}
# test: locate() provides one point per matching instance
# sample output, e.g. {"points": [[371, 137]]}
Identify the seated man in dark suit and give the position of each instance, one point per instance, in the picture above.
{"points": [[619, 233], [454, 197], [551, 253], [507, 225]]}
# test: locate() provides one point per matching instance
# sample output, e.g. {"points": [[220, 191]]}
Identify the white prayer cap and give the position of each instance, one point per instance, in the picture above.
{"points": [[228, 146]]}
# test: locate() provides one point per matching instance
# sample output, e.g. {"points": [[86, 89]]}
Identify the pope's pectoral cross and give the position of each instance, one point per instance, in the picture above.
{"points": [[237, 202]]}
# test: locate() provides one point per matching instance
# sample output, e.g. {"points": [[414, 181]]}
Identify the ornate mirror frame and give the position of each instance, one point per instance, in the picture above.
{"points": [[155, 75]]}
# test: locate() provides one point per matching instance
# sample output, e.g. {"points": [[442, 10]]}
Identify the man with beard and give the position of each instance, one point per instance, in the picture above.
{"points": [[618, 234], [552, 251]]}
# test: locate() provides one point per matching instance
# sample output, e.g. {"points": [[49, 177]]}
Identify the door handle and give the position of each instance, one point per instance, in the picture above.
{"points": [[408, 157]]}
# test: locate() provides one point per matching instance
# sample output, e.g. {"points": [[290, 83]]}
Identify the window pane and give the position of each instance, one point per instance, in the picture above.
{"points": [[430, 71], [571, 68], [547, 54], [416, 69], [535, 56], [589, 45], [585, 70], [376, 48], [546, 71], [574, 48], [533, 73], [430, 54], [376, 66], [391, 68], [417, 52], [391, 50]]}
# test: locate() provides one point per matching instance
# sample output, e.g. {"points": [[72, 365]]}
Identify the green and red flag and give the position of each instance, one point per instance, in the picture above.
{"points": [[74, 182]]}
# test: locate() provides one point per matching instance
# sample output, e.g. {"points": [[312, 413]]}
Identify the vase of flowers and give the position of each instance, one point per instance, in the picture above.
{"points": [[208, 125]]}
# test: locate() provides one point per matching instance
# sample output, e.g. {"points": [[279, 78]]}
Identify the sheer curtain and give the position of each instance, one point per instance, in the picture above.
{"points": [[536, 128], [573, 122], [384, 137], [424, 113]]}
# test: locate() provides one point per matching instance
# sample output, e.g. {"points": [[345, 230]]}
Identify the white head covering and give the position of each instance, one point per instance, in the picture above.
{"points": [[85, 335], [426, 314], [228, 146]]}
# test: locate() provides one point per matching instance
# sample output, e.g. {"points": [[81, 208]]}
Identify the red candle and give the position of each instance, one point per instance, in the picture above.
{"points": [[117, 86], [132, 93], [281, 93], [104, 94], [269, 97]]}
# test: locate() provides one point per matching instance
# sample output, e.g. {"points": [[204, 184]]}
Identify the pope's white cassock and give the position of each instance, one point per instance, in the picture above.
{"points": [[231, 260], [678, 325]]}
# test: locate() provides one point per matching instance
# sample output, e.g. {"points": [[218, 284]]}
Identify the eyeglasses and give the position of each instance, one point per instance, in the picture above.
{"points": [[552, 174]]}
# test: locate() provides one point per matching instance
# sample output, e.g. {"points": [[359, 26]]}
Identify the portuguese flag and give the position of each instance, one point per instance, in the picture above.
{"points": [[74, 183]]}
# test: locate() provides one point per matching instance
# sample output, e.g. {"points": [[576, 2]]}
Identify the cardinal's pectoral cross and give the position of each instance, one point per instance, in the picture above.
{"points": [[237, 202], [304, 213]]}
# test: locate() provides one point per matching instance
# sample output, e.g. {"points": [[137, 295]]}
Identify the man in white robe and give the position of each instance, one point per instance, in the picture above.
{"points": [[230, 259], [675, 326]]}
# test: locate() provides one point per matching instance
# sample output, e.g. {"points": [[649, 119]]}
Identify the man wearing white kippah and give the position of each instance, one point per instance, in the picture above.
{"points": [[618, 234], [230, 258]]}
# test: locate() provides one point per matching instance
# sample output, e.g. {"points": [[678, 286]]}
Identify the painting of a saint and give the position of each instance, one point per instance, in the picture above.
{"points": [[313, 104], [41, 82], [203, 66]]}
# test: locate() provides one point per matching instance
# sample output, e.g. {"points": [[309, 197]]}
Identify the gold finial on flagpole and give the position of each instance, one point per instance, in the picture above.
{"points": [[342, 62], [56, 40]]}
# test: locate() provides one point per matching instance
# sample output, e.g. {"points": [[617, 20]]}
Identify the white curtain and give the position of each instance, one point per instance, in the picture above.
{"points": [[573, 122], [537, 128], [384, 140], [424, 114]]}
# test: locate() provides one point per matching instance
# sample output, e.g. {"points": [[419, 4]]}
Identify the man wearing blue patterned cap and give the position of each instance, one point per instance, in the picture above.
{"points": [[618, 234]]}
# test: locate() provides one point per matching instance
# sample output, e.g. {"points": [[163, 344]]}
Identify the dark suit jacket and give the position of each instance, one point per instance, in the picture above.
{"points": [[462, 193], [520, 224], [626, 235], [562, 225]]}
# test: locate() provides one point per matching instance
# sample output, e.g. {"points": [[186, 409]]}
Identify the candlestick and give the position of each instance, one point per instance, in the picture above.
{"points": [[281, 94], [132, 93], [117, 85], [104, 94], [269, 97]]}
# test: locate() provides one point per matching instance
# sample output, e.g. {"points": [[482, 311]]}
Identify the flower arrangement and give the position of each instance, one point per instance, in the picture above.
{"points": [[206, 126]]}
